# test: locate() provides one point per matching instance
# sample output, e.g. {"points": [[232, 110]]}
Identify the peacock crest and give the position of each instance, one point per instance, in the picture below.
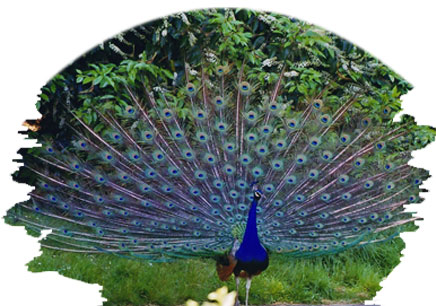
{"points": [[151, 141]]}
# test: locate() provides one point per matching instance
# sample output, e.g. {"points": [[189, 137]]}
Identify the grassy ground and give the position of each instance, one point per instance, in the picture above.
{"points": [[350, 277]]}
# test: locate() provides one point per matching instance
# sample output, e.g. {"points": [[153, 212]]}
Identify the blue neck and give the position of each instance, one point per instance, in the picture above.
{"points": [[250, 236], [250, 249]]}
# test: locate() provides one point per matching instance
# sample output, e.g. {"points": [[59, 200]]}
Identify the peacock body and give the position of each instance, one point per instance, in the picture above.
{"points": [[155, 153]]}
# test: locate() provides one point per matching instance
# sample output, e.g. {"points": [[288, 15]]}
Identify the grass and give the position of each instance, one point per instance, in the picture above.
{"points": [[350, 277]]}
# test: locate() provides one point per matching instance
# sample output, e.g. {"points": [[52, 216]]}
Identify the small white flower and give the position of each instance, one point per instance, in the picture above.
{"points": [[210, 83], [291, 74], [262, 18], [355, 68], [184, 18], [119, 37], [268, 62], [271, 18], [355, 88], [164, 33], [192, 39], [211, 57]]}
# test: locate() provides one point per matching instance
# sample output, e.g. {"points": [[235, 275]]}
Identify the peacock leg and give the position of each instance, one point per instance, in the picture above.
{"points": [[237, 291], [247, 286]]}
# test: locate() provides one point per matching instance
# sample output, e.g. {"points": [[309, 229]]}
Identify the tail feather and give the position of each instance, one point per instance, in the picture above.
{"points": [[164, 168]]}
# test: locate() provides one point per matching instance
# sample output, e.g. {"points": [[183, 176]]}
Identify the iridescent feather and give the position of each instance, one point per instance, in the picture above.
{"points": [[167, 172]]}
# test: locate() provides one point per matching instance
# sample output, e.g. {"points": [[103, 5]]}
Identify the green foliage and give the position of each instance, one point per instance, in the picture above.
{"points": [[101, 75], [257, 42], [54, 85], [350, 277]]}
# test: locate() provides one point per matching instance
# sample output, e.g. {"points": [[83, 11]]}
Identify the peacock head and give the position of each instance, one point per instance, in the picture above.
{"points": [[257, 194]]}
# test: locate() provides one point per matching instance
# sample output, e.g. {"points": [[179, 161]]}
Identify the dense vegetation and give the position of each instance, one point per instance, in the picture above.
{"points": [[159, 52]]}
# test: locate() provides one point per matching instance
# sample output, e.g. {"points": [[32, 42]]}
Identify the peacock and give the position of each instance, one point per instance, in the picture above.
{"points": [[223, 133]]}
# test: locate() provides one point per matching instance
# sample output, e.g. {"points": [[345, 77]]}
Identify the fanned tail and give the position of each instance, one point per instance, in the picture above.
{"points": [[159, 164]]}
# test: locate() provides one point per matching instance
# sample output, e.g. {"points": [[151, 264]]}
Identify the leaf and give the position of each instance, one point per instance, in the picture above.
{"points": [[87, 118], [99, 127], [251, 58], [302, 89], [106, 97], [118, 109], [168, 74], [111, 82], [97, 80], [331, 52], [87, 80], [44, 97], [104, 82]]}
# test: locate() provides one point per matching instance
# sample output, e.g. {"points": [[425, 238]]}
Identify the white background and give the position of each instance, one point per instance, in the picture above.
{"points": [[39, 38]]}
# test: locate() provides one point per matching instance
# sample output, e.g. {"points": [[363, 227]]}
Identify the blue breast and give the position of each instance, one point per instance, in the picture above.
{"points": [[250, 248], [250, 253]]}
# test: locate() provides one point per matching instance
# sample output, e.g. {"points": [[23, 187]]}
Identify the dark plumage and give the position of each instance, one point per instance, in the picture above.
{"points": [[251, 255], [249, 258]]}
